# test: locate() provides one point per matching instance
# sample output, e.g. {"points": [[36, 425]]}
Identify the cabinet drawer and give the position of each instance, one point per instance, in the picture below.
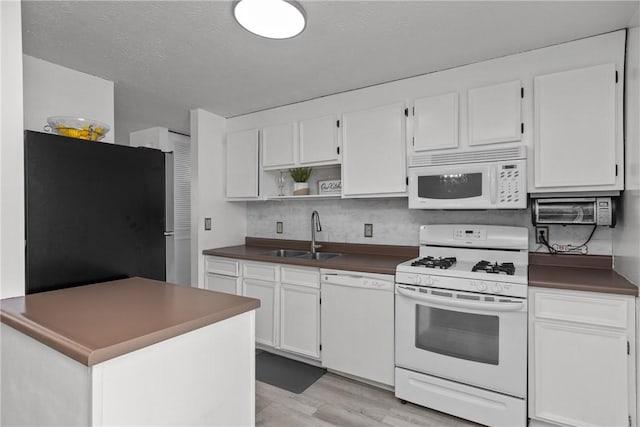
{"points": [[301, 276], [583, 307], [254, 270], [226, 266]]}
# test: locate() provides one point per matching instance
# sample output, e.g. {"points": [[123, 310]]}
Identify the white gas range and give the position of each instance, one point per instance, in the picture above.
{"points": [[461, 323]]}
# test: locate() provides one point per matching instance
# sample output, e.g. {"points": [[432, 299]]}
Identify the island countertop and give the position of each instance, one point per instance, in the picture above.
{"points": [[98, 322]]}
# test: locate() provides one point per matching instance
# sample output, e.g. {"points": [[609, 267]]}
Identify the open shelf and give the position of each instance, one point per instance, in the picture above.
{"points": [[310, 196]]}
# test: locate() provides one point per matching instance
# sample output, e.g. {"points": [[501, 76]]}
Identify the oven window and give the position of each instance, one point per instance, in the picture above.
{"points": [[462, 335], [450, 186]]}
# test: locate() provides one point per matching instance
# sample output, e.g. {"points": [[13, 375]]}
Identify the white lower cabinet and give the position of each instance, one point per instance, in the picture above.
{"points": [[266, 314], [222, 275], [581, 358], [300, 320], [289, 315]]}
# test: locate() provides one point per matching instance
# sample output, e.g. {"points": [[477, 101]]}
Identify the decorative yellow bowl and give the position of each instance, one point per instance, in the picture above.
{"points": [[77, 127]]}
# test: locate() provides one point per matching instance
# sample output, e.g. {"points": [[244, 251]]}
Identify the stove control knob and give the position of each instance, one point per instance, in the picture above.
{"points": [[482, 286], [415, 280], [495, 288]]}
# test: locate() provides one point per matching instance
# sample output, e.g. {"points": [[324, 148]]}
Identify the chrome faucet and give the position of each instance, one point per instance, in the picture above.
{"points": [[315, 226]]}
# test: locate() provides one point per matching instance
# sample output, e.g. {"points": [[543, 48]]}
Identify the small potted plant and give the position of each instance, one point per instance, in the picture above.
{"points": [[300, 177]]}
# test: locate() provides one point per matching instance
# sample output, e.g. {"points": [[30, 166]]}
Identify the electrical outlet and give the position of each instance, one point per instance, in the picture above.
{"points": [[368, 230], [279, 227], [207, 224], [545, 232]]}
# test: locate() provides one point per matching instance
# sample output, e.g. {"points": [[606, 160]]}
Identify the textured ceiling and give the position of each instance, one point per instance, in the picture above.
{"points": [[186, 54]]}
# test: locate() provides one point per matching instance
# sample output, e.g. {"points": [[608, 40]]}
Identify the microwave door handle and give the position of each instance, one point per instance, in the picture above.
{"points": [[493, 183], [450, 302]]}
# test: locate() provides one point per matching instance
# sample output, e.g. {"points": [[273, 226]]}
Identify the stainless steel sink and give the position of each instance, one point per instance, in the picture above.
{"points": [[286, 253], [318, 255]]}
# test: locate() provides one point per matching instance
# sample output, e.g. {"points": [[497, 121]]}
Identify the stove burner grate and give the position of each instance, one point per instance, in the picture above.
{"points": [[431, 262], [495, 268]]}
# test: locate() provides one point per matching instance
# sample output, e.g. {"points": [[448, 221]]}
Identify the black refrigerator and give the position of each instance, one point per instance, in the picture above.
{"points": [[94, 212]]}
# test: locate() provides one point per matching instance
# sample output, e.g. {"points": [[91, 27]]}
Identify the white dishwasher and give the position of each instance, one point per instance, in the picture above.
{"points": [[357, 315]]}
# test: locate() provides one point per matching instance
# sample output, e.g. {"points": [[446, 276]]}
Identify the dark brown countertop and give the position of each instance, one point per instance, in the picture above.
{"points": [[94, 323], [381, 259], [590, 273]]}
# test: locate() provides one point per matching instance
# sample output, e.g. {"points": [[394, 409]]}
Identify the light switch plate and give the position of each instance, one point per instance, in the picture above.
{"points": [[368, 230], [207, 224], [279, 227]]}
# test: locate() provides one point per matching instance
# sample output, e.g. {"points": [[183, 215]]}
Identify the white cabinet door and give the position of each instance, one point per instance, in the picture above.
{"points": [[576, 130], [374, 156], [319, 141], [581, 376], [266, 315], [220, 283], [300, 320], [278, 146], [435, 122], [242, 164], [495, 113], [581, 358]]}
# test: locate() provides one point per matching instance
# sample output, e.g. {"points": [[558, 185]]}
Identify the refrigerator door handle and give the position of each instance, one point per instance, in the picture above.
{"points": [[169, 233]]}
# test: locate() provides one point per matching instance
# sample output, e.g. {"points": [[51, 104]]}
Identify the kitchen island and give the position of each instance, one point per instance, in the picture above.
{"points": [[128, 352]]}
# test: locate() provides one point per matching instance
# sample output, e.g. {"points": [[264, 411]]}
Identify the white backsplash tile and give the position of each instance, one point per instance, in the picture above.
{"points": [[394, 224]]}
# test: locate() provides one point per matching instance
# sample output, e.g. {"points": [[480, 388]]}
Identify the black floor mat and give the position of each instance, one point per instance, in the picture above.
{"points": [[285, 373]]}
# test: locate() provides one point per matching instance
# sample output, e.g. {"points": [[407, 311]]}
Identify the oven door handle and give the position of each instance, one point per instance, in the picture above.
{"points": [[450, 302]]}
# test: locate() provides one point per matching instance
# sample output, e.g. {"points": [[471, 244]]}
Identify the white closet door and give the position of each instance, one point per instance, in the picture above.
{"points": [[181, 208]]}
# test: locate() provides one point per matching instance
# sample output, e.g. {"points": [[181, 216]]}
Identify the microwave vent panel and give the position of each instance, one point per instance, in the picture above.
{"points": [[501, 154]]}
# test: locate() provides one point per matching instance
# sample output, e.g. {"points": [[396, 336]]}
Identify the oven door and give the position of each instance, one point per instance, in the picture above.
{"points": [[472, 186], [476, 339]]}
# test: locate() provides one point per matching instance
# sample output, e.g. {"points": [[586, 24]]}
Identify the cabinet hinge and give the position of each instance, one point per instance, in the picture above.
{"points": [[338, 150], [629, 420], [413, 111], [337, 123], [628, 348], [616, 169], [616, 76], [406, 112], [407, 180], [320, 347], [521, 92], [413, 141], [320, 301], [521, 127]]}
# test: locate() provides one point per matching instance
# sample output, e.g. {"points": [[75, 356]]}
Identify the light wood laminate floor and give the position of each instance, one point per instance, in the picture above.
{"points": [[337, 401]]}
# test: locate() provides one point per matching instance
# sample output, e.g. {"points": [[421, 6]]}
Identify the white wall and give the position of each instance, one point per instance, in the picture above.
{"points": [[229, 225], [53, 90], [11, 152], [395, 224], [626, 240]]}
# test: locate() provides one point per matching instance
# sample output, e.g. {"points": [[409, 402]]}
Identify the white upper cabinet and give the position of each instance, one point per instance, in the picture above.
{"points": [[242, 164], [578, 142], [374, 156], [435, 122], [279, 146], [319, 141], [495, 113]]}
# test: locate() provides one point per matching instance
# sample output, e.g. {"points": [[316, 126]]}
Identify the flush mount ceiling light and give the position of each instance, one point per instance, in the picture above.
{"points": [[274, 19]]}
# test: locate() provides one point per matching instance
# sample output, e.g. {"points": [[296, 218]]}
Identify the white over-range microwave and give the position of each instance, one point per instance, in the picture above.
{"points": [[491, 179]]}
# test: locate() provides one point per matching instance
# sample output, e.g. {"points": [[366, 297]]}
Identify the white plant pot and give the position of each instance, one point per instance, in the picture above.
{"points": [[300, 188]]}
